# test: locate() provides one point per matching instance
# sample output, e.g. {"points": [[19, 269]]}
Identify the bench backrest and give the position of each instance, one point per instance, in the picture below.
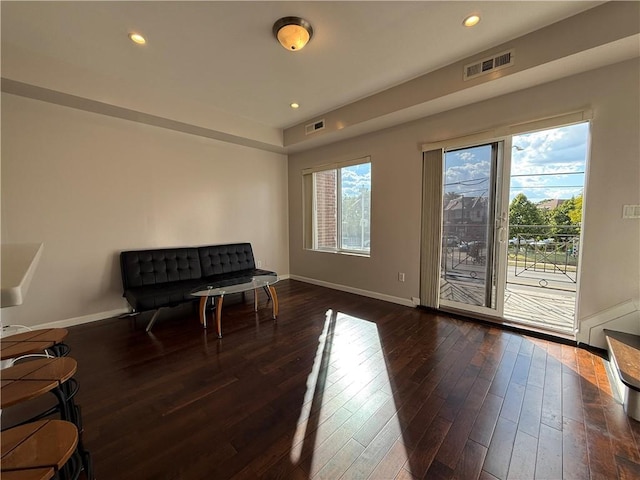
{"points": [[151, 267], [219, 259]]}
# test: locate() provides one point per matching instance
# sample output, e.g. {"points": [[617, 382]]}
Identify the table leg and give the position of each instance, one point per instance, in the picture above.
{"points": [[60, 349], [274, 298], [255, 299], [73, 414], [203, 311], [219, 315]]}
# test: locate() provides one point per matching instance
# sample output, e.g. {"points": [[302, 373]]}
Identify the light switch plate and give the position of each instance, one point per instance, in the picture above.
{"points": [[631, 211]]}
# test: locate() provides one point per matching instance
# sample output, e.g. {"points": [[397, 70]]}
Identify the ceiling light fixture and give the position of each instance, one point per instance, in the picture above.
{"points": [[137, 38], [294, 105], [471, 20], [293, 33]]}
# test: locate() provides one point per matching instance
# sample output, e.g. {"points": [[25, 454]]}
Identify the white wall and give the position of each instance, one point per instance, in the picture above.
{"points": [[611, 249], [89, 186]]}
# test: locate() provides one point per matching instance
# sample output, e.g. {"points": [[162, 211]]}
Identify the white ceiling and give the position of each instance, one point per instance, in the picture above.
{"points": [[209, 63]]}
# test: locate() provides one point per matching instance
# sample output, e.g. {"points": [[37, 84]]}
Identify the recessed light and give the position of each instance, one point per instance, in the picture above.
{"points": [[137, 38], [471, 20], [294, 105]]}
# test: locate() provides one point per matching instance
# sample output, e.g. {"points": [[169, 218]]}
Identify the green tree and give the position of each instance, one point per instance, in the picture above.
{"points": [[355, 219], [562, 217], [522, 214], [576, 213]]}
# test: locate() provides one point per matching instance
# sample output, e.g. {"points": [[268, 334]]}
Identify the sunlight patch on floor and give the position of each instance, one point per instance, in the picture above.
{"points": [[347, 390]]}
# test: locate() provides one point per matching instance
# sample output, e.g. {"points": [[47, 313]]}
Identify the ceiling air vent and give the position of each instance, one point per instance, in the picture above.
{"points": [[314, 127], [487, 65]]}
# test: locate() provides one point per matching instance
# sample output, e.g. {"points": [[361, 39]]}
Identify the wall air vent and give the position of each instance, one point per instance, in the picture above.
{"points": [[488, 65], [314, 127]]}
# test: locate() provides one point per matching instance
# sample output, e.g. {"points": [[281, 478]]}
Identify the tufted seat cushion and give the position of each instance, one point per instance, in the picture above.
{"points": [[170, 294]]}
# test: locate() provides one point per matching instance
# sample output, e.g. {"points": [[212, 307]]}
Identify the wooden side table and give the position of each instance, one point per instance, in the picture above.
{"points": [[29, 474], [42, 447], [33, 379], [34, 341]]}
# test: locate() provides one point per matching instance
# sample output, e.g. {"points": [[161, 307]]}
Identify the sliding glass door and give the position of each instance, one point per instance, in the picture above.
{"points": [[473, 222], [509, 226]]}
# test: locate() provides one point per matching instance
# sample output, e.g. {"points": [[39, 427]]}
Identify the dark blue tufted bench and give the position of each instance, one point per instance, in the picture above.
{"points": [[155, 279]]}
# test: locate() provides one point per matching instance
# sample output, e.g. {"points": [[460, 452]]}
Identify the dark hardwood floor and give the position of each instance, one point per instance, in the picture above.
{"points": [[343, 386]]}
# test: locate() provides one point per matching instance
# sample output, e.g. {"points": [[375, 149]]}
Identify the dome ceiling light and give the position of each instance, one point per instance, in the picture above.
{"points": [[293, 33]]}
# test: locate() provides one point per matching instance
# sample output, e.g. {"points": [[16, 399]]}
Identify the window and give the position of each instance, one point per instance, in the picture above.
{"points": [[340, 213]]}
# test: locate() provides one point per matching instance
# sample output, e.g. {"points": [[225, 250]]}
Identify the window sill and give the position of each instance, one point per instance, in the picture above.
{"points": [[342, 252]]}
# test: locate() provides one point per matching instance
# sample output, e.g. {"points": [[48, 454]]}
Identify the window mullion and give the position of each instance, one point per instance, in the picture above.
{"points": [[315, 212], [339, 209]]}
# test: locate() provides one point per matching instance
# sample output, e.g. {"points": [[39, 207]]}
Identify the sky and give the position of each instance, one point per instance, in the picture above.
{"points": [[546, 164], [355, 178]]}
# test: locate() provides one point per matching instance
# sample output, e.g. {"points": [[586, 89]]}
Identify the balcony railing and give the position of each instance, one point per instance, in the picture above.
{"points": [[538, 255], [544, 255]]}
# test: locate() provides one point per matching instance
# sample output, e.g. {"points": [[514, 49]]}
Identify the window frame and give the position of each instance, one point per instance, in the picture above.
{"points": [[311, 227]]}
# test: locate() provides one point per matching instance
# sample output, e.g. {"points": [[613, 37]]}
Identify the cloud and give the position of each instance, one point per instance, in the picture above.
{"points": [[545, 164], [551, 163], [470, 179], [355, 179], [538, 194], [556, 151], [467, 171]]}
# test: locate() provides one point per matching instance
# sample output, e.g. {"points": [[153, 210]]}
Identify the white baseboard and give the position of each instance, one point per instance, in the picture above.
{"points": [[365, 293], [94, 317]]}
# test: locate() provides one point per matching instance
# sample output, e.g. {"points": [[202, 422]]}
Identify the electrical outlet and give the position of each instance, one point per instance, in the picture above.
{"points": [[9, 330], [259, 263], [400, 277]]}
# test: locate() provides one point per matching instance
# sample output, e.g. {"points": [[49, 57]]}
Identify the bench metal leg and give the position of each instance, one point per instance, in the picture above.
{"points": [[255, 299], [266, 289], [153, 319]]}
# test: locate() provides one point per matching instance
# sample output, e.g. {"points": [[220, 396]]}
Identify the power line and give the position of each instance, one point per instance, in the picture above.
{"points": [[469, 182], [521, 187], [546, 174]]}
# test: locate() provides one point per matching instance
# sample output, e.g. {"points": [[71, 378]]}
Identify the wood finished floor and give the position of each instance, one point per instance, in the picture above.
{"points": [[347, 387]]}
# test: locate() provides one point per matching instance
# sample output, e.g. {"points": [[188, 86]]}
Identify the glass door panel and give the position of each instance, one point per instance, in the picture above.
{"points": [[545, 223], [468, 278]]}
